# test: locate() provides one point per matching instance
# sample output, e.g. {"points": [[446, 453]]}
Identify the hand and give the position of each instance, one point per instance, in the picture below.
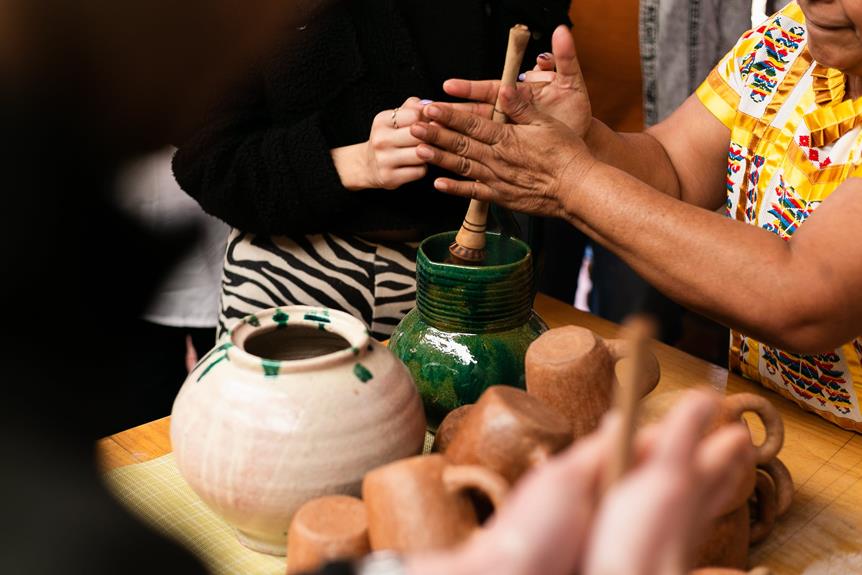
{"points": [[388, 159], [556, 521], [561, 94], [520, 167]]}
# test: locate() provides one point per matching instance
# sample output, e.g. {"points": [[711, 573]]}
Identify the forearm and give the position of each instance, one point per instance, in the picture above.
{"points": [[638, 154], [698, 258]]}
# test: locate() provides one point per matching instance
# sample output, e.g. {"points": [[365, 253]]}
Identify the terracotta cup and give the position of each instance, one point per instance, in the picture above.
{"points": [[422, 503], [729, 536], [508, 431], [726, 542], [448, 427], [572, 370], [783, 484], [326, 529], [764, 504], [654, 408]]}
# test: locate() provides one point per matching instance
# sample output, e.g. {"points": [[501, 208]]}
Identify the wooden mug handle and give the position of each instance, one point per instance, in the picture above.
{"points": [[766, 508], [739, 403], [783, 484], [457, 478], [622, 348]]}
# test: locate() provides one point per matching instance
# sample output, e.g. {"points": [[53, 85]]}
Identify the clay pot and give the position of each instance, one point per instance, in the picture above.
{"points": [[324, 530], [448, 427], [422, 503], [300, 402], [471, 325], [508, 431], [571, 369], [783, 481]]}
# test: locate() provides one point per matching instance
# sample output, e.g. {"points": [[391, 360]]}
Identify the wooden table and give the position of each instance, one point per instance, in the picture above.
{"points": [[824, 523]]}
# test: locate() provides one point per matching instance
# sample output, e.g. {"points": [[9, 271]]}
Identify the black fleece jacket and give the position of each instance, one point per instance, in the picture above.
{"points": [[263, 164]]}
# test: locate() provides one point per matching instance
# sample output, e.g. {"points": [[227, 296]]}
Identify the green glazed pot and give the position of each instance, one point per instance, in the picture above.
{"points": [[471, 326]]}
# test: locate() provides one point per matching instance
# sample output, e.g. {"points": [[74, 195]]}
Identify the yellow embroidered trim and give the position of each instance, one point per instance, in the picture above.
{"points": [[827, 84], [719, 98], [828, 123]]}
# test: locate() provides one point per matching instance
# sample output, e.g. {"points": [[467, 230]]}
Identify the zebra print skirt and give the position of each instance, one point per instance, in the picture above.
{"points": [[374, 282]]}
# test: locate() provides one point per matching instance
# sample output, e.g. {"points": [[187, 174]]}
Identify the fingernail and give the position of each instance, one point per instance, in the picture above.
{"points": [[424, 152], [545, 56], [432, 111], [522, 77], [419, 131], [426, 102], [441, 185]]}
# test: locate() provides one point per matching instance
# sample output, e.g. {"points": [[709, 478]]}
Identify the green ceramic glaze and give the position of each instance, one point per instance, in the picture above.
{"points": [[471, 326]]}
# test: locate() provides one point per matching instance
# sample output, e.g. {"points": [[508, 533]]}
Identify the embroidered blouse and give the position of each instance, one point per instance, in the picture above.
{"points": [[794, 140]]}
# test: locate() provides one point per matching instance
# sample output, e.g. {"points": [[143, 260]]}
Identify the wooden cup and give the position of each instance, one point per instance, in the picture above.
{"points": [[326, 529], [422, 503], [571, 369], [509, 432]]}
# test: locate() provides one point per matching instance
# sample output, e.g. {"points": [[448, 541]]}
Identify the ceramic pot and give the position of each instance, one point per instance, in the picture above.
{"points": [[572, 370], [509, 432], [327, 529], [300, 402], [471, 325], [422, 503]]}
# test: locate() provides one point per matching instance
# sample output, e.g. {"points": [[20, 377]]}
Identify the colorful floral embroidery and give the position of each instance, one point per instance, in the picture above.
{"points": [[770, 56], [788, 211], [777, 175]]}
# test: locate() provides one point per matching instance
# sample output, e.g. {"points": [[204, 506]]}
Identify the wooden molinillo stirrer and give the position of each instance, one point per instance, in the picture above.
{"points": [[630, 376], [469, 245]]}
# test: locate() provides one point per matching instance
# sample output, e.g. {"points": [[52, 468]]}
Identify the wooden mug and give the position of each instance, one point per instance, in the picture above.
{"points": [[326, 529], [422, 503], [508, 431], [571, 369]]}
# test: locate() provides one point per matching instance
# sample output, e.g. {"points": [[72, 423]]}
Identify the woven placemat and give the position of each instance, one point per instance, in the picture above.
{"points": [[156, 492]]}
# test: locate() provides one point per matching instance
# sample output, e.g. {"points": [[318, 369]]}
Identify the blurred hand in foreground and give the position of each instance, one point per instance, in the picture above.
{"points": [[557, 521]]}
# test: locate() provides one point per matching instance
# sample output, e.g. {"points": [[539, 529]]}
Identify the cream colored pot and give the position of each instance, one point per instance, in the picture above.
{"points": [[300, 402]]}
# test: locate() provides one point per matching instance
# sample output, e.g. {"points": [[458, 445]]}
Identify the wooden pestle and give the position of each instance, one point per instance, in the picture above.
{"points": [[469, 245], [630, 375]]}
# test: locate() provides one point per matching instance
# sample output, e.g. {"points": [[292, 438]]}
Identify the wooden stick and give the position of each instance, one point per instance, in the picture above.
{"points": [[630, 374], [469, 245]]}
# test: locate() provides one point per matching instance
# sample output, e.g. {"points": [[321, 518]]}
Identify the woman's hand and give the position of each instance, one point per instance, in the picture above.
{"points": [[561, 94], [388, 159], [520, 167]]}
